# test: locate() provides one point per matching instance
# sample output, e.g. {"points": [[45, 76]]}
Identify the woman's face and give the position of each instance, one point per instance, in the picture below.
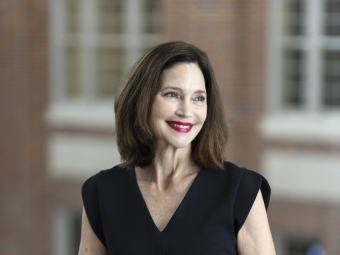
{"points": [[180, 106]]}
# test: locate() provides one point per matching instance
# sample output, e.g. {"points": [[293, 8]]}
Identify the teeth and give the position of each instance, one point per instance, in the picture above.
{"points": [[180, 126]]}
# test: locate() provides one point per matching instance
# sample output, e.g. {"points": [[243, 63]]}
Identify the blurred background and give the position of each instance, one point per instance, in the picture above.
{"points": [[277, 63]]}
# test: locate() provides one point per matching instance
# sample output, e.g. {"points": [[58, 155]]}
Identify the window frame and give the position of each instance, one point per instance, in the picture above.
{"points": [[134, 41], [280, 122]]}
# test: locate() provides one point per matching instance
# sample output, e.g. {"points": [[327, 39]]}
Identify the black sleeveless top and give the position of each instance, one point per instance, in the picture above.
{"points": [[205, 223]]}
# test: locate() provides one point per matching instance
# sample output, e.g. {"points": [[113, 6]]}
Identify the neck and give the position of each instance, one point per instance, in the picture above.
{"points": [[169, 163]]}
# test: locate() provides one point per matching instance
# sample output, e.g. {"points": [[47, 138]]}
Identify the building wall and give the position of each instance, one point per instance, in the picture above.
{"points": [[23, 97]]}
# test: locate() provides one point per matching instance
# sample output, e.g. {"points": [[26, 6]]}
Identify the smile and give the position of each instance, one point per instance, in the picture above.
{"points": [[180, 126]]}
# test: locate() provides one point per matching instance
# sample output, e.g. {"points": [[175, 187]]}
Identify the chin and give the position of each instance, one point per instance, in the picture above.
{"points": [[175, 142], [181, 145]]}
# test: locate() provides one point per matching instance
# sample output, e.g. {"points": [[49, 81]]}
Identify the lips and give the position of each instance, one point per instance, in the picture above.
{"points": [[182, 127]]}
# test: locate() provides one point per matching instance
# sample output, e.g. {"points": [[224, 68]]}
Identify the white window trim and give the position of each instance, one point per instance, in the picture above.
{"points": [[321, 128], [77, 156], [302, 175], [312, 124], [74, 114]]}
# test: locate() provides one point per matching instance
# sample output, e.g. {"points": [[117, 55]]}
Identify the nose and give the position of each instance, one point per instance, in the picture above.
{"points": [[184, 109]]}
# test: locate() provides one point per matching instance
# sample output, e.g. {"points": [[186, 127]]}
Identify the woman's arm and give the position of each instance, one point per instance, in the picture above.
{"points": [[254, 238], [89, 243]]}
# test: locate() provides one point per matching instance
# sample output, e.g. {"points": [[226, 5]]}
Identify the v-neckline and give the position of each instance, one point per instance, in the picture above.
{"points": [[189, 191]]}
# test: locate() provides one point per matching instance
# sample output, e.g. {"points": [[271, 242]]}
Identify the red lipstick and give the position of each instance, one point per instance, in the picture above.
{"points": [[182, 127]]}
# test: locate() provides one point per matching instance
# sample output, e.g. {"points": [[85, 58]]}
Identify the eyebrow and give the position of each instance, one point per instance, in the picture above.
{"points": [[178, 89]]}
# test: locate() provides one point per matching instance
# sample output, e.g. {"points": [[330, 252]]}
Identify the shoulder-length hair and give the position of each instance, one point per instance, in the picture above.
{"points": [[134, 98]]}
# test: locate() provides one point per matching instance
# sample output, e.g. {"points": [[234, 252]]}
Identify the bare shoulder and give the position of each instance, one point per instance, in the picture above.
{"points": [[254, 237], [89, 243]]}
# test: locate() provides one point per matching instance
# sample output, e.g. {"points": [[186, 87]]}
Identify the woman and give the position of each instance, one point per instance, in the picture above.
{"points": [[173, 194]]}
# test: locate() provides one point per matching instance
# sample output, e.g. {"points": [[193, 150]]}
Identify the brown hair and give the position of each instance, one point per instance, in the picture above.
{"points": [[135, 96]]}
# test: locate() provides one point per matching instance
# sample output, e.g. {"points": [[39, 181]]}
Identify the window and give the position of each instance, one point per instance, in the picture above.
{"points": [[95, 43], [303, 97], [286, 244], [66, 230], [299, 246], [305, 55]]}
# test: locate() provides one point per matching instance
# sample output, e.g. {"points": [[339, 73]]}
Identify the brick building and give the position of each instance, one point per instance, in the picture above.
{"points": [[277, 63]]}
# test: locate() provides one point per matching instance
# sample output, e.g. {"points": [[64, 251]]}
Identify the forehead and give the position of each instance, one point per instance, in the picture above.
{"points": [[184, 76]]}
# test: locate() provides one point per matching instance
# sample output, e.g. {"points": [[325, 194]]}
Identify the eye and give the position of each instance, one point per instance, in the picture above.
{"points": [[200, 99], [171, 95]]}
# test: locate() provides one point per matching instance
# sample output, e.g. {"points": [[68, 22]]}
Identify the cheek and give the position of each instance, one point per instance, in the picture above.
{"points": [[161, 109], [203, 114]]}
